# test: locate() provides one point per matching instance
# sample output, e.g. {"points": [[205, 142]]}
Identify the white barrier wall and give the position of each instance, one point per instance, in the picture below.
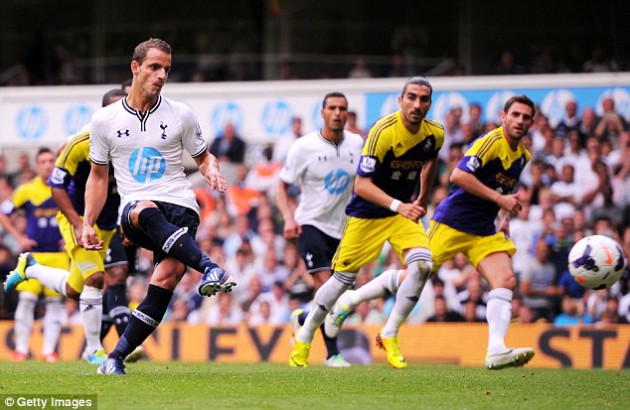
{"points": [[261, 111]]}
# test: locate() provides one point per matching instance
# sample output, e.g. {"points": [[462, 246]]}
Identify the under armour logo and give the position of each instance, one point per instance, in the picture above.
{"points": [[163, 126], [121, 133]]}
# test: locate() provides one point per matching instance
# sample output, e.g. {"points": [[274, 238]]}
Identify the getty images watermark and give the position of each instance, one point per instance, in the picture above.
{"points": [[48, 401]]}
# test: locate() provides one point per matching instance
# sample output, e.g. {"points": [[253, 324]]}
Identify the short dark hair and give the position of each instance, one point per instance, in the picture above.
{"points": [[43, 150], [141, 50], [114, 92], [523, 99], [417, 80], [334, 94]]}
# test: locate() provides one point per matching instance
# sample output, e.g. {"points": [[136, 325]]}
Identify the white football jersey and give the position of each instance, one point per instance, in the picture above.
{"points": [[325, 171], [146, 150]]}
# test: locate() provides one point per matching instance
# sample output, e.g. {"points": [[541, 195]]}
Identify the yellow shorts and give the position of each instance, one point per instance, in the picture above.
{"points": [[83, 263], [446, 242], [363, 240], [52, 259]]}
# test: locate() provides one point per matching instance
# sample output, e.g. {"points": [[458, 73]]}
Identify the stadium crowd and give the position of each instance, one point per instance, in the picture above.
{"points": [[577, 184]]}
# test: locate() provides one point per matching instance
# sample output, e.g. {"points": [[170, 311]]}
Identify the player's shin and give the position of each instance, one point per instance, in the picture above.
{"points": [[24, 317], [324, 300], [116, 299], [498, 314], [382, 285], [418, 272], [143, 321], [91, 307], [53, 324], [52, 278]]}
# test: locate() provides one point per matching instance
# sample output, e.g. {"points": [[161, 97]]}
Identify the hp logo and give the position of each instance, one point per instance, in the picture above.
{"points": [[228, 112], [146, 165], [31, 122], [337, 181], [76, 117], [276, 117]]}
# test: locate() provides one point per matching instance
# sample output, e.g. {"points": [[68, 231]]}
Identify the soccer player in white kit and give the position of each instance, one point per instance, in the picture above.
{"points": [[144, 135], [324, 164]]}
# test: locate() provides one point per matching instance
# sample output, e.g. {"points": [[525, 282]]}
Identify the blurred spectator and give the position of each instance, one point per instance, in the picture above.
{"points": [[271, 271], [508, 65], [300, 283], [263, 175], [527, 315], [359, 70], [278, 301], [254, 290], [282, 145], [243, 272], [538, 283], [570, 121], [368, 313], [572, 313], [241, 233], [600, 193], [260, 314], [600, 62], [24, 171], [178, 311], [219, 311], [186, 291], [351, 125], [565, 193], [229, 147], [611, 124], [523, 232], [589, 122], [472, 300], [452, 132], [240, 197], [610, 315], [475, 120], [443, 313]]}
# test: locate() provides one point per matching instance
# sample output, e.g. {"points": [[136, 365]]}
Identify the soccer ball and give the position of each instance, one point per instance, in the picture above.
{"points": [[596, 262]]}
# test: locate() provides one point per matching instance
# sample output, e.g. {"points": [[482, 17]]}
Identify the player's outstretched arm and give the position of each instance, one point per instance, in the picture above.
{"points": [[472, 185], [368, 190], [209, 168], [95, 197]]}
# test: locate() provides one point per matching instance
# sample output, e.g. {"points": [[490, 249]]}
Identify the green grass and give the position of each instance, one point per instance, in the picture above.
{"points": [[176, 385]]}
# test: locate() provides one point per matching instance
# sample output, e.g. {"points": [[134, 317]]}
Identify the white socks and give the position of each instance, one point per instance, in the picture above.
{"points": [[53, 323], [52, 278], [324, 299], [418, 271], [91, 307], [498, 314], [24, 318], [380, 286]]}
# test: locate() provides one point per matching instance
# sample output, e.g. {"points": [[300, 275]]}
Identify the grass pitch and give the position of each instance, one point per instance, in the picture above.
{"points": [[176, 385]]}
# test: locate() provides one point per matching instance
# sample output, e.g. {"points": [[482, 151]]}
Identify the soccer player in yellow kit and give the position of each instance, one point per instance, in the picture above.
{"points": [[465, 221], [400, 152], [44, 241]]}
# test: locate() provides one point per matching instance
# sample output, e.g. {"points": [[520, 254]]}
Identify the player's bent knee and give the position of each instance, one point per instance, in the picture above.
{"points": [[96, 280], [424, 269], [116, 275], [72, 293]]}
